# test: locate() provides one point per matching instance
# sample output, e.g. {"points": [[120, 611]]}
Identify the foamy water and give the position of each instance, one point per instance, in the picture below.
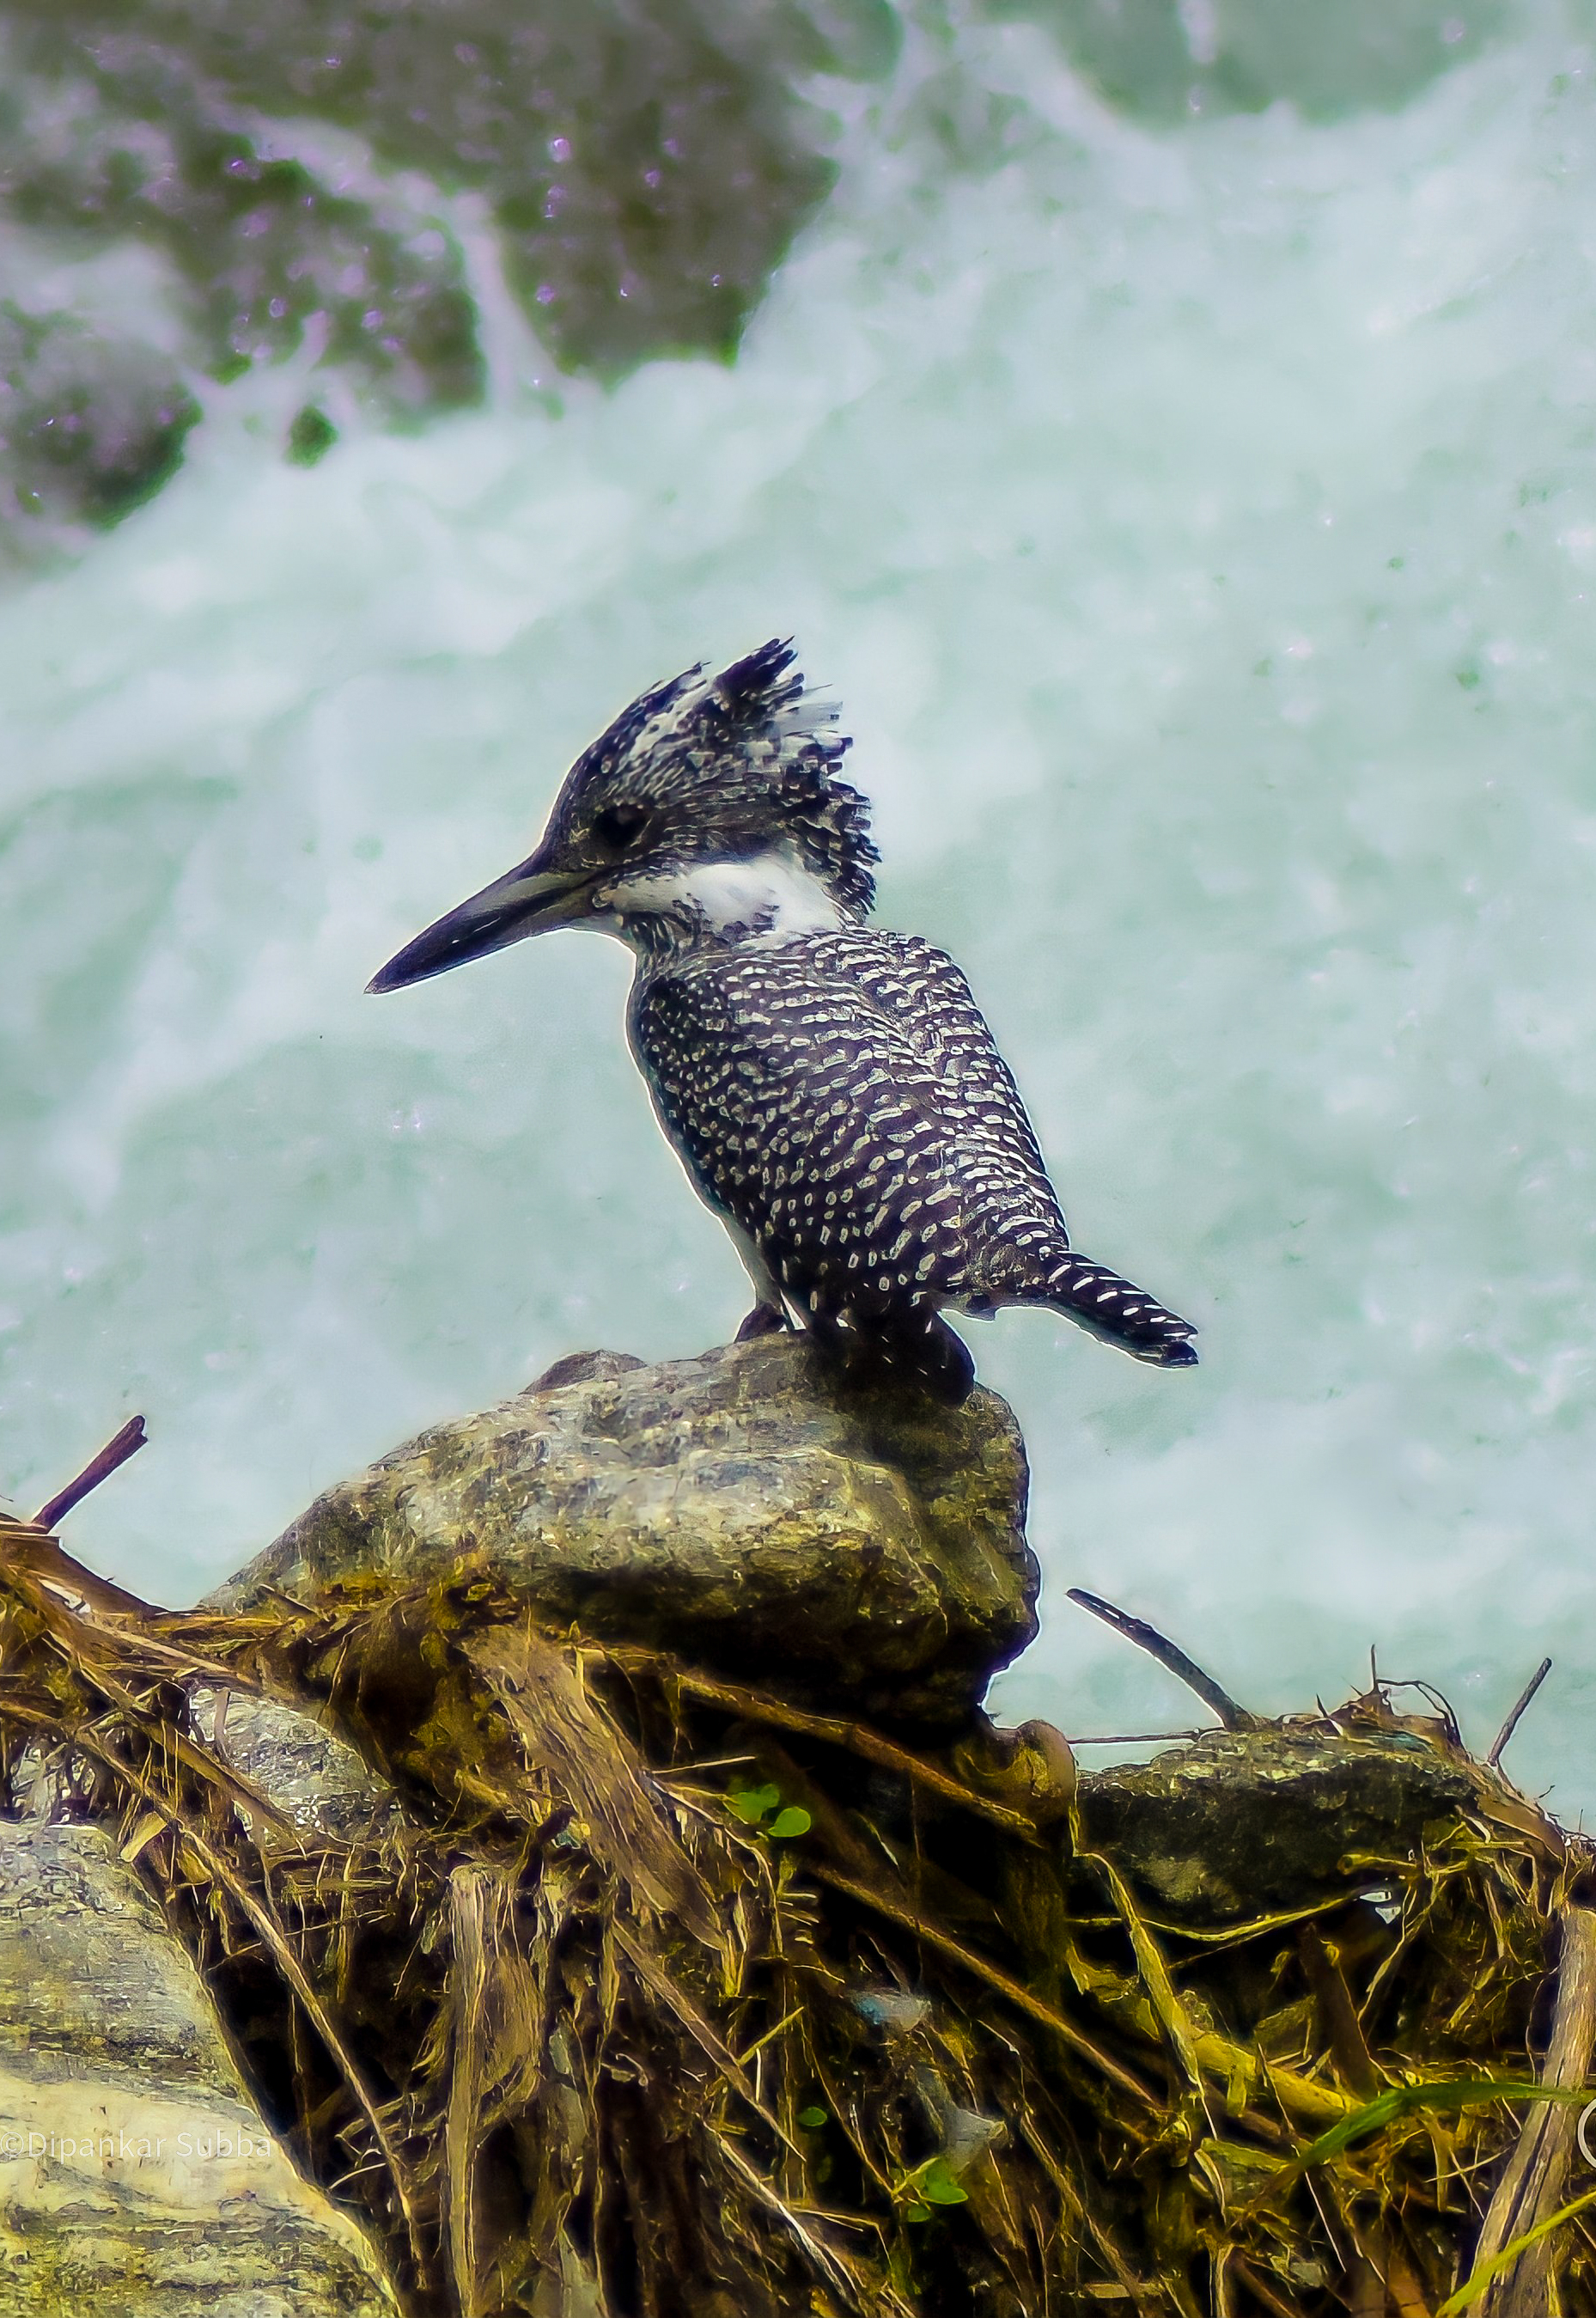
{"points": [[1198, 529]]}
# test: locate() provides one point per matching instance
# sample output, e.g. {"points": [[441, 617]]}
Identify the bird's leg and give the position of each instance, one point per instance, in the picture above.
{"points": [[941, 1359], [934, 1354], [926, 1350], [764, 1320]]}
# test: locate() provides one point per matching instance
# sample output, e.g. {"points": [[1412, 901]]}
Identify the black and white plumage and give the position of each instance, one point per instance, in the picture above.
{"points": [[832, 1088]]}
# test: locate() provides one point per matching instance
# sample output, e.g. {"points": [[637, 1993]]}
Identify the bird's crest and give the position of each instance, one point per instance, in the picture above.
{"points": [[747, 752]]}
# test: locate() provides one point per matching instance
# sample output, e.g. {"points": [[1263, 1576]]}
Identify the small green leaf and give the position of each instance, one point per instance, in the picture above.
{"points": [[751, 1803], [811, 2119], [938, 2185], [794, 1820], [916, 2213]]}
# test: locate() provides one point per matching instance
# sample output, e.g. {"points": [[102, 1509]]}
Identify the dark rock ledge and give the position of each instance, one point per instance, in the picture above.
{"points": [[294, 171]]}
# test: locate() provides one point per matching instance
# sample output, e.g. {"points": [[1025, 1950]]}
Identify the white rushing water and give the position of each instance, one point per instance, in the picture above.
{"points": [[1198, 528]]}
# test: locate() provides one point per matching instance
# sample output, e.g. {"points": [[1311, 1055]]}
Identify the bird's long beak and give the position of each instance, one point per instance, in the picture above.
{"points": [[529, 900]]}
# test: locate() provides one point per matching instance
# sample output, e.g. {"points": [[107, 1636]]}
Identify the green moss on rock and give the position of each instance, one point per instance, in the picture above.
{"points": [[858, 1544]]}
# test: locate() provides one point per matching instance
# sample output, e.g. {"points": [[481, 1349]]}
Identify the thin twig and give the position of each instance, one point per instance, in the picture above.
{"points": [[1084, 2221], [1517, 1716], [1531, 2182], [1134, 1738], [1383, 1705], [292, 1970], [1170, 1656], [1261, 2291], [1340, 2025], [820, 2255], [669, 1992], [116, 1451], [856, 1738], [30, 1554], [908, 1921], [470, 1898]]}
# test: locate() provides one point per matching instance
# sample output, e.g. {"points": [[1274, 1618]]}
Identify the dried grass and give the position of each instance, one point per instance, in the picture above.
{"points": [[661, 2000]]}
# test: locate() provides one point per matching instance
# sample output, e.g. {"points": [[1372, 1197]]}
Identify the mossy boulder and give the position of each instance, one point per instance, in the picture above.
{"points": [[90, 428], [135, 2169], [748, 1510], [1244, 1821]]}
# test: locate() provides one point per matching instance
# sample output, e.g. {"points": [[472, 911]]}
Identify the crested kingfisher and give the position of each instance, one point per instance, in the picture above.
{"points": [[832, 1088]]}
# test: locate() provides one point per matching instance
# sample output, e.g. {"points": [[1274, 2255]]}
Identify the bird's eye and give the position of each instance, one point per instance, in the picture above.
{"points": [[619, 825]]}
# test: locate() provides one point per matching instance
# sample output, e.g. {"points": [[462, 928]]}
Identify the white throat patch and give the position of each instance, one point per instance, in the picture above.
{"points": [[772, 895]]}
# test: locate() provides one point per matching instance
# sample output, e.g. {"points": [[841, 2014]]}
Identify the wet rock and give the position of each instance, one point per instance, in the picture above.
{"points": [[308, 1774], [316, 173], [643, 160], [1171, 60], [133, 2165], [89, 427], [114, 136], [310, 172], [1245, 1821], [855, 1545]]}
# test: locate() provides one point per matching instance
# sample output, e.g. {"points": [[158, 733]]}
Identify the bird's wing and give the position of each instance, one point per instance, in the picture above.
{"points": [[812, 1122], [819, 1113], [925, 993]]}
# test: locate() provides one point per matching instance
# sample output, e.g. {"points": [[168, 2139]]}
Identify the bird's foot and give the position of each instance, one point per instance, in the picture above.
{"points": [[764, 1320]]}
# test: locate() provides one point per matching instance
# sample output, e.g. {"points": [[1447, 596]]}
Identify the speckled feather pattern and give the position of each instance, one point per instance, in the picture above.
{"points": [[832, 1088], [839, 1096]]}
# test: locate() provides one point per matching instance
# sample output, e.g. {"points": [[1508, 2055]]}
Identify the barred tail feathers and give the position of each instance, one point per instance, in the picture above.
{"points": [[1123, 1315]]}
